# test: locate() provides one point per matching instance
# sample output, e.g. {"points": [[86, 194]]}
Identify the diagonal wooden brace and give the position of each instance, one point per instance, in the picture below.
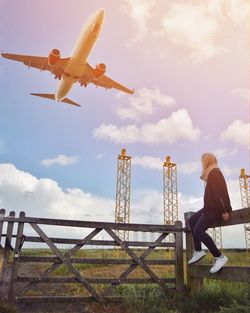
{"points": [[71, 252], [138, 260], [65, 260]]}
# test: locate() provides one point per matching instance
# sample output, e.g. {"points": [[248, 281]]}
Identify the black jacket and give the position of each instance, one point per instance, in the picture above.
{"points": [[216, 198]]}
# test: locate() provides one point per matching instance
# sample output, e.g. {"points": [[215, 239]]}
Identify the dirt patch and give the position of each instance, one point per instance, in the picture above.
{"points": [[50, 308], [1, 259], [109, 308]]}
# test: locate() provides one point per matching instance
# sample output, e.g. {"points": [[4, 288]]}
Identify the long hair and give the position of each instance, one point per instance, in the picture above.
{"points": [[209, 162]]}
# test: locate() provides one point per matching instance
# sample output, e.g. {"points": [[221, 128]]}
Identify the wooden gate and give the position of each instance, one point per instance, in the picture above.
{"points": [[13, 257]]}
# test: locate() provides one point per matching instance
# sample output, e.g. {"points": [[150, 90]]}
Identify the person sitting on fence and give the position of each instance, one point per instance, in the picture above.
{"points": [[216, 206]]}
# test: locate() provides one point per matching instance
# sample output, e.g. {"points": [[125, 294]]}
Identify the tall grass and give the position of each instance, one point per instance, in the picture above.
{"points": [[6, 308], [215, 297]]}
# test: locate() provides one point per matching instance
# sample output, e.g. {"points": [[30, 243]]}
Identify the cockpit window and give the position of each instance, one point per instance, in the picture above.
{"points": [[95, 28]]}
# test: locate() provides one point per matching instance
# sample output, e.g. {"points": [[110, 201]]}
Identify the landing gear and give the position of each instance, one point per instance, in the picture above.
{"points": [[58, 76], [84, 81]]}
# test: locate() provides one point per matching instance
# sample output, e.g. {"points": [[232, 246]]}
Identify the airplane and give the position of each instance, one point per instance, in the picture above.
{"points": [[73, 69]]}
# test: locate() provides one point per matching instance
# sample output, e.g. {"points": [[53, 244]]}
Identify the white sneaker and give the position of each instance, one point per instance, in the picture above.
{"points": [[218, 264], [198, 255]]}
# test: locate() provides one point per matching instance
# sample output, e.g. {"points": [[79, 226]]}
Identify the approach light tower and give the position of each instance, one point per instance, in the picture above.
{"points": [[216, 234], [170, 196], [122, 206], [244, 181]]}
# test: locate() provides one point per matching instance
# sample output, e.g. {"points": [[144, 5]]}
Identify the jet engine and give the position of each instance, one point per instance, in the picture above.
{"points": [[54, 57], [100, 70]]}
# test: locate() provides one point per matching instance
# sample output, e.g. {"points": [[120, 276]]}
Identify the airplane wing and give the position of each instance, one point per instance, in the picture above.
{"points": [[40, 63], [105, 82]]}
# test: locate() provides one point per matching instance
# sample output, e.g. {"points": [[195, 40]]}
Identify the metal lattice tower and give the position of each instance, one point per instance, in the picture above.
{"points": [[170, 195], [122, 206], [244, 181], [216, 234]]}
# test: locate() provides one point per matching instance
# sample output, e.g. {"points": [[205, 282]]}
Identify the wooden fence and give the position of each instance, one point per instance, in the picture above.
{"points": [[13, 257], [13, 236], [197, 272]]}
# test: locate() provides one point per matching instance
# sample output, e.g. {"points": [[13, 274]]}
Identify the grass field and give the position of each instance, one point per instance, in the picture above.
{"points": [[216, 296]]}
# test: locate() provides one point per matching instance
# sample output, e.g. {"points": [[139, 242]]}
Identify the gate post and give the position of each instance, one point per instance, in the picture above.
{"points": [[2, 213], [193, 284], [6, 268], [179, 274], [17, 251]]}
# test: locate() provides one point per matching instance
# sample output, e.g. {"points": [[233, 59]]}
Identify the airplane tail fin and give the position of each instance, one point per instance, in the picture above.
{"points": [[52, 97]]}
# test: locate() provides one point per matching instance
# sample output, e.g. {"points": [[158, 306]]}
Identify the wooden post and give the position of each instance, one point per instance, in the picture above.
{"points": [[193, 284], [2, 213], [6, 269], [179, 273], [18, 247]]}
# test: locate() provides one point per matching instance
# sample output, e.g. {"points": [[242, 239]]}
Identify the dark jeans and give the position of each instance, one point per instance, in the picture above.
{"points": [[199, 223]]}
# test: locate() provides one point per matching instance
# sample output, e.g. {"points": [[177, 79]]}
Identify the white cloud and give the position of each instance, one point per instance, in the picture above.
{"points": [[198, 26], [220, 152], [45, 198], [230, 171], [189, 167], [140, 12], [225, 152], [241, 93], [144, 103], [20, 190], [148, 205], [148, 162], [194, 27], [178, 126], [234, 193], [188, 202], [100, 156], [239, 11], [238, 132], [61, 159]]}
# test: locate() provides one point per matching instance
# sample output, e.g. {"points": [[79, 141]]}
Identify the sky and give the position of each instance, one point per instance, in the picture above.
{"points": [[188, 62]]}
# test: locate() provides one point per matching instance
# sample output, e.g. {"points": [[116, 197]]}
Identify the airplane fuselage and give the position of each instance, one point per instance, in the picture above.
{"points": [[78, 60]]}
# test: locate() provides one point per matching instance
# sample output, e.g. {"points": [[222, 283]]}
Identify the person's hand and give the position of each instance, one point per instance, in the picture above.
{"points": [[226, 217]]}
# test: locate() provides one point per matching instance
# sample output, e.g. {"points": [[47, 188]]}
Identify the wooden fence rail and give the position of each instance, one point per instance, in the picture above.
{"points": [[197, 272], [13, 257]]}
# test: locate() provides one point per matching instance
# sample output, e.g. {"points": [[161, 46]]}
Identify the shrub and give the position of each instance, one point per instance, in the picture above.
{"points": [[6, 308]]}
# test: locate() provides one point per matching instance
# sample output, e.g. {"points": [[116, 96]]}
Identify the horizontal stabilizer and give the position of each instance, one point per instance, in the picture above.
{"points": [[52, 97]]}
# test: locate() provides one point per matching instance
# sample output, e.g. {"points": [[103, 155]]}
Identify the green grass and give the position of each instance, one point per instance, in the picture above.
{"points": [[215, 297], [6, 308], [235, 257], [220, 297]]}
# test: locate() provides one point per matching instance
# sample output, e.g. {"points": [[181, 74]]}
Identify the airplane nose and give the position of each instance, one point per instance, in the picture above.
{"points": [[101, 13]]}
